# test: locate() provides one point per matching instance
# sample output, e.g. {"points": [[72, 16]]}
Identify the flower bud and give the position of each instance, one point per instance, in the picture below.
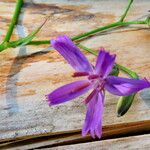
{"points": [[148, 21], [124, 104], [115, 71]]}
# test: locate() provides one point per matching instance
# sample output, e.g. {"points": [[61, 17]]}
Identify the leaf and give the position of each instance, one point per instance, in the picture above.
{"points": [[27, 39]]}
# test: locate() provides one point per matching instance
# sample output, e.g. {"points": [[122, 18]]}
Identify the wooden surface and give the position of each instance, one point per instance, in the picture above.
{"points": [[49, 140], [129, 143], [28, 73]]}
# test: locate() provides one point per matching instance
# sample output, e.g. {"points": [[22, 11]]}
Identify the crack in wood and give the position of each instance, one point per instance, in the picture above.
{"points": [[48, 140]]}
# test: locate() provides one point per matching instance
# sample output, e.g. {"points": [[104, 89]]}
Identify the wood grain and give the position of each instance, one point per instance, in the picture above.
{"points": [[127, 143], [28, 73], [74, 137]]}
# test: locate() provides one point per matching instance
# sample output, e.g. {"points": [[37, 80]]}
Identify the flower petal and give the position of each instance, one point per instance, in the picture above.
{"points": [[71, 53], [104, 63], [124, 87], [68, 92], [93, 120]]}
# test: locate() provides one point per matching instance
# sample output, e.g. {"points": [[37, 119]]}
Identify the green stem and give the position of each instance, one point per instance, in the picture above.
{"points": [[13, 44], [87, 49], [131, 73], [4, 46], [116, 24], [100, 29], [126, 11], [14, 20], [39, 42]]}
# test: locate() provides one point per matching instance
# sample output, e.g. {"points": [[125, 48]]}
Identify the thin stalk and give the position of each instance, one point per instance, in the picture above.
{"points": [[87, 49], [14, 44], [14, 20], [116, 24], [39, 42], [5, 45], [131, 73], [100, 29], [126, 11]]}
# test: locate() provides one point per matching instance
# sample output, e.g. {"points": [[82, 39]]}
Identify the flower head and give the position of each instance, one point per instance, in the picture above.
{"points": [[97, 78]]}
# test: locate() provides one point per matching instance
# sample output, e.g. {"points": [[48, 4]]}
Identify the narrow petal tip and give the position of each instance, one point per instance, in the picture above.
{"points": [[93, 120], [105, 62], [95, 133], [48, 100]]}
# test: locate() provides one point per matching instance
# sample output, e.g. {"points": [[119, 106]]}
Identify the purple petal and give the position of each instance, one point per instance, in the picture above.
{"points": [[124, 87], [93, 120], [104, 63], [68, 92], [71, 53]]}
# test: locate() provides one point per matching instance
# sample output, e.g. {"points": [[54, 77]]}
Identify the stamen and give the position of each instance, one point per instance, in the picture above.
{"points": [[81, 87], [90, 96], [80, 74], [93, 76]]}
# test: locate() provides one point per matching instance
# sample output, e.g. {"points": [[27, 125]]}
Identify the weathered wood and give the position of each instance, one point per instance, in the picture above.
{"points": [[128, 143], [28, 73], [48, 140]]}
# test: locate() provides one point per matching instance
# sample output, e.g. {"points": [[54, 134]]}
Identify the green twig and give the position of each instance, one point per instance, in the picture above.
{"points": [[14, 20], [113, 25], [39, 42], [131, 73], [13, 44], [87, 49], [76, 38], [126, 11], [98, 30]]}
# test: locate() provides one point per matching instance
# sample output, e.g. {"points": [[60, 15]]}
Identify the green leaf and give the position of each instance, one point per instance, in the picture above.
{"points": [[27, 39]]}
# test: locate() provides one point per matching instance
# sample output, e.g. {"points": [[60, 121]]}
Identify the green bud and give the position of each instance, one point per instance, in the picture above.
{"points": [[148, 21], [115, 71], [124, 104]]}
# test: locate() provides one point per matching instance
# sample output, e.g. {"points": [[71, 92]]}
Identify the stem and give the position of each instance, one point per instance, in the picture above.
{"points": [[87, 49], [39, 42], [84, 35], [6, 44], [126, 11], [116, 24], [14, 20], [131, 73]]}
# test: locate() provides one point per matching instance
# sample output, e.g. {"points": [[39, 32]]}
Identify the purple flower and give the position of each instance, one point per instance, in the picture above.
{"points": [[97, 78]]}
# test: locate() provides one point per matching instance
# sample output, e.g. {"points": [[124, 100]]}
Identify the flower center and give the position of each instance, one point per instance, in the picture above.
{"points": [[97, 81]]}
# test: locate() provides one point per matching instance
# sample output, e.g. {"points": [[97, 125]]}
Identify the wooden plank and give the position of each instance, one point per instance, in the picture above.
{"points": [[127, 143], [28, 73], [74, 137]]}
